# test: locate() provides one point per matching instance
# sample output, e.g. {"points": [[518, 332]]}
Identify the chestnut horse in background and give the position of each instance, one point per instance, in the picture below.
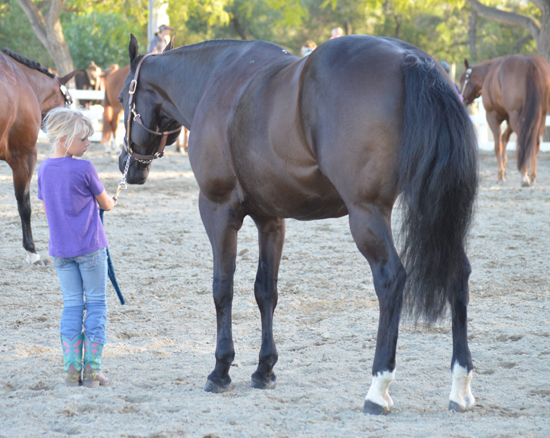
{"points": [[112, 109], [27, 93], [111, 105], [515, 88], [342, 131]]}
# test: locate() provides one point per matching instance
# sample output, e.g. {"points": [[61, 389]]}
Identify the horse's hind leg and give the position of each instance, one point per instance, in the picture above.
{"points": [[23, 168], [505, 139], [461, 398], [222, 222], [271, 234], [536, 149], [371, 231], [500, 152]]}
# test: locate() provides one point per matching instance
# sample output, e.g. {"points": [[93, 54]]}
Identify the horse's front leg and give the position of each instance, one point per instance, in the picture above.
{"points": [[372, 234], [222, 222], [461, 398], [271, 234], [23, 167]]}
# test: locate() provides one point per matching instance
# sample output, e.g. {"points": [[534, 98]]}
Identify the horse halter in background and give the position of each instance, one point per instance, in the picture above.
{"points": [[145, 159], [466, 80], [65, 93]]}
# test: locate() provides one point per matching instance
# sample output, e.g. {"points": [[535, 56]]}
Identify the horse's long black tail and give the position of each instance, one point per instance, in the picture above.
{"points": [[438, 182], [530, 116]]}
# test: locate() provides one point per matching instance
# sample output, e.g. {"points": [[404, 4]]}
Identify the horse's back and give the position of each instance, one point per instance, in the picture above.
{"points": [[322, 127], [505, 87]]}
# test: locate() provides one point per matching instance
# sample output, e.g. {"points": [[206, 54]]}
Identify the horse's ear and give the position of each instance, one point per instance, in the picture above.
{"points": [[133, 48], [466, 63], [67, 78], [170, 45]]}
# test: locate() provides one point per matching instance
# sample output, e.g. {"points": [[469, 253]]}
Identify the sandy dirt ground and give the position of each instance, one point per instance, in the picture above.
{"points": [[161, 343]]}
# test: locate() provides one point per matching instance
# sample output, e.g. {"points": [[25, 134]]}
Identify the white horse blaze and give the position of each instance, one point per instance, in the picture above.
{"points": [[378, 391], [460, 390]]}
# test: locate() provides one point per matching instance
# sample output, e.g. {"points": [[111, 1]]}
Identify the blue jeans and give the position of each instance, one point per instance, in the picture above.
{"points": [[84, 283]]}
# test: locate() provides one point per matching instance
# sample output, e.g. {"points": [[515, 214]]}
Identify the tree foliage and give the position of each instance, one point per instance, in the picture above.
{"points": [[99, 31]]}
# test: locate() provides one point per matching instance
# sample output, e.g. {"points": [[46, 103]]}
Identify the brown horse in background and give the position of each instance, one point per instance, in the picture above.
{"points": [[515, 88], [111, 106], [27, 93], [88, 79], [112, 109]]}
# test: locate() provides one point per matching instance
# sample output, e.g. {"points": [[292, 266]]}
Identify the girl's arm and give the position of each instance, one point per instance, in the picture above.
{"points": [[44, 208], [105, 201]]}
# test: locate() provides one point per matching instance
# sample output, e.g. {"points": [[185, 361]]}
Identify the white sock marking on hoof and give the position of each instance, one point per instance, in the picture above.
{"points": [[33, 258], [461, 392], [378, 391]]}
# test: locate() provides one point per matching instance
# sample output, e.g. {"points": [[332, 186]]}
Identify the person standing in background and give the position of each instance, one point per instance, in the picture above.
{"points": [[308, 47], [160, 40], [337, 32]]}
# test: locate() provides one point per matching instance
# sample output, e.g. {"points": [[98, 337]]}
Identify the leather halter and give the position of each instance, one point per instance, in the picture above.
{"points": [[65, 93], [146, 159], [466, 80]]}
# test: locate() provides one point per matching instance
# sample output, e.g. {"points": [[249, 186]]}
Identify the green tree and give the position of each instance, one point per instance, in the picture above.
{"points": [[533, 16]]}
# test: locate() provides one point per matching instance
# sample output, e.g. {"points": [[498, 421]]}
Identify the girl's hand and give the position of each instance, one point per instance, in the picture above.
{"points": [[105, 201]]}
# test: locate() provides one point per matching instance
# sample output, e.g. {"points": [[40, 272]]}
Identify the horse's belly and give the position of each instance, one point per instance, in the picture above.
{"points": [[283, 190]]}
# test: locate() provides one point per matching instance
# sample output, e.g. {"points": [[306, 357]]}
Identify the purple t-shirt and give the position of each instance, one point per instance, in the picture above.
{"points": [[68, 186]]}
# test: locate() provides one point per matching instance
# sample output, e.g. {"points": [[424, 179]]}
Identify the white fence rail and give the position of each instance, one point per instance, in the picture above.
{"points": [[95, 114], [479, 119], [484, 134]]}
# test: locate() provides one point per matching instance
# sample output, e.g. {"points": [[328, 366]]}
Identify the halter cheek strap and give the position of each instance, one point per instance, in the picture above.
{"points": [[466, 80], [65, 93], [146, 159]]}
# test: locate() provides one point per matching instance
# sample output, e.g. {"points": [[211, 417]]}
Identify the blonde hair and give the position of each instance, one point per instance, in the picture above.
{"points": [[66, 123]]}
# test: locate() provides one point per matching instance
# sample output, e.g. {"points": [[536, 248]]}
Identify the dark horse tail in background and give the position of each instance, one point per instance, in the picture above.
{"points": [[344, 130], [515, 88]]}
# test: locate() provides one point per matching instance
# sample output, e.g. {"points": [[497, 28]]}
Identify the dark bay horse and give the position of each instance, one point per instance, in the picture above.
{"points": [[27, 93], [342, 131], [515, 88]]}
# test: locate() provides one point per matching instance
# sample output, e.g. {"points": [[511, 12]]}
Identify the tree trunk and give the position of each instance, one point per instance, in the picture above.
{"points": [[49, 32], [238, 28], [538, 30], [472, 36], [543, 40]]}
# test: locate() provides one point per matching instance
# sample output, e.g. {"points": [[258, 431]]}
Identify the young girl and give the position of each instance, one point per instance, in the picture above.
{"points": [[70, 190]]}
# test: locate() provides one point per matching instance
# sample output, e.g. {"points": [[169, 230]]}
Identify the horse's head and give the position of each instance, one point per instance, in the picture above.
{"points": [[149, 128], [58, 94], [471, 81]]}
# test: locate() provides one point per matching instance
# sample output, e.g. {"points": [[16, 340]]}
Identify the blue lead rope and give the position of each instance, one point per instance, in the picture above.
{"points": [[111, 269]]}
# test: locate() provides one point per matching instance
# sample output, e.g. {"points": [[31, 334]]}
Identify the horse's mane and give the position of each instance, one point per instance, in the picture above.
{"points": [[27, 62]]}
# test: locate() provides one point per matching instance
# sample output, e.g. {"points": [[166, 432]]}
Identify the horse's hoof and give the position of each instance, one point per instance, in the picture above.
{"points": [[34, 259], [525, 181], [260, 382], [214, 387], [374, 408], [454, 406]]}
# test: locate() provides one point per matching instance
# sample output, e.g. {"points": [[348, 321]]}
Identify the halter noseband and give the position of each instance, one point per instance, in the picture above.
{"points": [[145, 159]]}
